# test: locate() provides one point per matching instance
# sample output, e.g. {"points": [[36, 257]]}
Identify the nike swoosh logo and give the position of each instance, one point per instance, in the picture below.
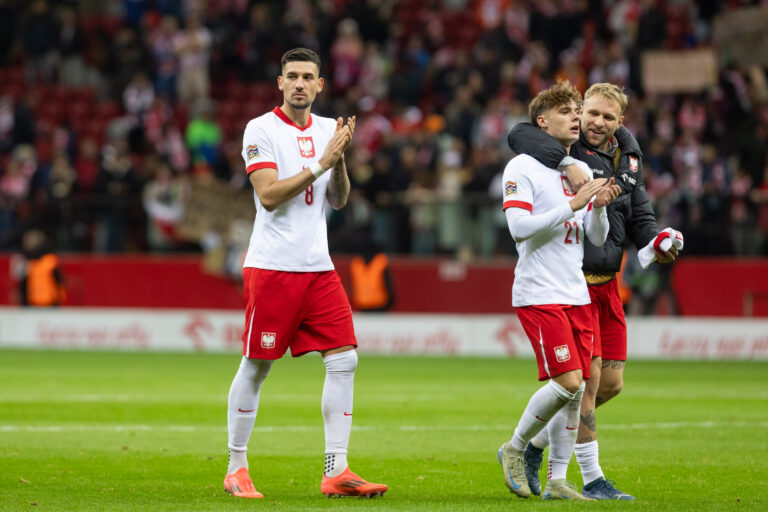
{"points": [[242, 410], [590, 152], [540, 419], [571, 428], [347, 414], [512, 481]]}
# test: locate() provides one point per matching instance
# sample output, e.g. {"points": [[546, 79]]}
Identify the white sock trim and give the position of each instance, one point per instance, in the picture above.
{"points": [[340, 356], [560, 391], [587, 455]]}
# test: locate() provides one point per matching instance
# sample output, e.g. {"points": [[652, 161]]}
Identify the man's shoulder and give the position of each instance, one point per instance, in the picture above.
{"points": [[266, 117], [523, 162], [264, 123]]}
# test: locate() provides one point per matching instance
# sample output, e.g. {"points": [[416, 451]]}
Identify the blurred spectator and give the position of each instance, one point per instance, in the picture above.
{"points": [[39, 40], [138, 96], [346, 55], [164, 199], [127, 58], [254, 45], [760, 199], [204, 135], [87, 164], [651, 27], [8, 20], [7, 120], [24, 126], [15, 183], [58, 194], [374, 72], [133, 11], [164, 53], [193, 46], [116, 185], [70, 45], [41, 283], [370, 280]]}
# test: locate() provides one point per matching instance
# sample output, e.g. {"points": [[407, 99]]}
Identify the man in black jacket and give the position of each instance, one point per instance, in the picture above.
{"points": [[610, 151]]}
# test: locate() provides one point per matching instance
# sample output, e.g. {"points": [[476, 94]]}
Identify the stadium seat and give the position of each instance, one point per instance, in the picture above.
{"points": [[78, 109], [107, 110]]}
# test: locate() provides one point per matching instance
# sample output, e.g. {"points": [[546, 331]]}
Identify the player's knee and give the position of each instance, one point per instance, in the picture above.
{"points": [[590, 392], [609, 390], [256, 369], [341, 362], [570, 381]]}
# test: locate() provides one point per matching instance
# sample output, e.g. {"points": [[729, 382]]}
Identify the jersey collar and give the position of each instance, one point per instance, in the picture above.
{"points": [[279, 113]]}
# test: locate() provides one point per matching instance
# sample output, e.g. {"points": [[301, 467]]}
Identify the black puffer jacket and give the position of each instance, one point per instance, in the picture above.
{"points": [[630, 215]]}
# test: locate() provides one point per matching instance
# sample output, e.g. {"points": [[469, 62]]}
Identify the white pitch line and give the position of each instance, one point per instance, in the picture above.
{"points": [[186, 399], [302, 397], [298, 397], [402, 428]]}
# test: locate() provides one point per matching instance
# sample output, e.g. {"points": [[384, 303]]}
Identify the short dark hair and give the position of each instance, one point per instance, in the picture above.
{"points": [[300, 55], [562, 93]]}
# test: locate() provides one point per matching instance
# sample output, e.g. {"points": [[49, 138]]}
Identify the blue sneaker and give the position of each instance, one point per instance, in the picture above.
{"points": [[560, 489], [532, 460], [602, 489]]}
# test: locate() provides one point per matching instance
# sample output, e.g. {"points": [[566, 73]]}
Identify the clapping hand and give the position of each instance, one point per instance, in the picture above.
{"points": [[338, 143], [585, 193], [607, 193]]}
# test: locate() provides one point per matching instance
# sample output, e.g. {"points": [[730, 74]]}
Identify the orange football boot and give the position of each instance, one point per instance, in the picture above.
{"points": [[239, 484], [349, 484]]}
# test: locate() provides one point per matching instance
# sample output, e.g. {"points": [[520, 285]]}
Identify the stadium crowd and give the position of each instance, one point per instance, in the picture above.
{"points": [[110, 111]]}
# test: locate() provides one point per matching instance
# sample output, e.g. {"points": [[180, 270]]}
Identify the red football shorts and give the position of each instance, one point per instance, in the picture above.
{"points": [[610, 324], [561, 337], [305, 311]]}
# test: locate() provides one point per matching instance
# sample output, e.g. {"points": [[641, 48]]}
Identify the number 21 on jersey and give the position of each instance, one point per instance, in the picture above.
{"points": [[572, 235]]}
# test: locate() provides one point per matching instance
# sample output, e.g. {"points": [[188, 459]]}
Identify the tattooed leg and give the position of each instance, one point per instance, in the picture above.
{"points": [[587, 425], [611, 380]]}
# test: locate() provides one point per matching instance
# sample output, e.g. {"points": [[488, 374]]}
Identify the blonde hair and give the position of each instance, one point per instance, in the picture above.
{"points": [[610, 92], [562, 93]]}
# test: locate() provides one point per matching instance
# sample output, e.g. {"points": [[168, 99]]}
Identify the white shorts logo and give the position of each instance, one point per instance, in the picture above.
{"points": [[561, 353], [268, 340]]}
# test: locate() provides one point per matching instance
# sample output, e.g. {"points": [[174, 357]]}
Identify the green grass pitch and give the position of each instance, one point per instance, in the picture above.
{"points": [[83, 431]]}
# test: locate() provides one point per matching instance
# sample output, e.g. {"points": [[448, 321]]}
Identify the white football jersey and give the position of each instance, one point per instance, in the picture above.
{"points": [[548, 270], [293, 237]]}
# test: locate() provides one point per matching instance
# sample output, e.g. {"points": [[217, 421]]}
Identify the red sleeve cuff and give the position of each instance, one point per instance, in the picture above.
{"points": [[517, 204], [260, 165]]}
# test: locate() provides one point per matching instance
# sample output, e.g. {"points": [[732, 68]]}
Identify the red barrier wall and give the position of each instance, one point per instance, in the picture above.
{"points": [[704, 287], [722, 287], [137, 281]]}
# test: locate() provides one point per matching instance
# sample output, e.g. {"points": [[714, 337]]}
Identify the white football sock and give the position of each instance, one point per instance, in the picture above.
{"points": [[544, 403], [562, 435], [541, 440], [337, 408], [242, 405], [586, 455]]}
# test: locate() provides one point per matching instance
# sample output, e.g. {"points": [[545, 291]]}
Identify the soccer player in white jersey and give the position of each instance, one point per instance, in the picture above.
{"points": [[294, 298], [548, 221]]}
